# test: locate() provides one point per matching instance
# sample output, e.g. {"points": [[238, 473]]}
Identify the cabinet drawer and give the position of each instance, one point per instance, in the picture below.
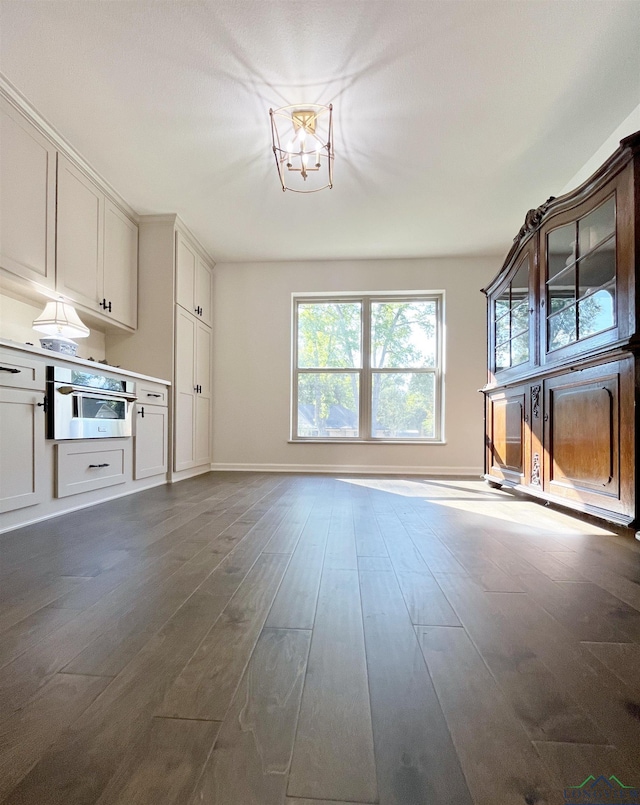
{"points": [[83, 467], [152, 394], [18, 371]]}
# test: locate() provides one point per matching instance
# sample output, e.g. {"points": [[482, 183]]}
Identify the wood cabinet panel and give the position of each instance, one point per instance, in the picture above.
{"points": [[508, 442], [27, 199], [583, 434]]}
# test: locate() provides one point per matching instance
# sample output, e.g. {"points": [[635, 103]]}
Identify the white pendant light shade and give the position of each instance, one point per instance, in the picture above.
{"points": [[60, 319]]}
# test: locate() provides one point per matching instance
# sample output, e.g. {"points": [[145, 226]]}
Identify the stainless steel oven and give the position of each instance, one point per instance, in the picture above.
{"points": [[87, 405]]}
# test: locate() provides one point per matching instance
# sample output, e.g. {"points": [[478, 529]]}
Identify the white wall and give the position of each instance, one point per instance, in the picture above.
{"points": [[16, 318], [629, 125], [252, 363]]}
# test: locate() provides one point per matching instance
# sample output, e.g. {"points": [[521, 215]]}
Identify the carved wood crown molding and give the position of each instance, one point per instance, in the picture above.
{"points": [[532, 219]]}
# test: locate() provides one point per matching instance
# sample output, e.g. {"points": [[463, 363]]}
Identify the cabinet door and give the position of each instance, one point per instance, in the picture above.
{"points": [[186, 271], [79, 236], [203, 291], [152, 431], [120, 265], [589, 437], [27, 199], [22, 434], [508, 435], [202, 452], [184, 410]]}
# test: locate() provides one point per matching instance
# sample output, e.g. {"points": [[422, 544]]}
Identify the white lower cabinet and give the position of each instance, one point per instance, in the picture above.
{"points": [[22, 432], [151, 441]]}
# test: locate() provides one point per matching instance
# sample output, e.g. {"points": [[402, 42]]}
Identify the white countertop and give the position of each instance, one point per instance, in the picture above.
{"points": [[58, 357]]}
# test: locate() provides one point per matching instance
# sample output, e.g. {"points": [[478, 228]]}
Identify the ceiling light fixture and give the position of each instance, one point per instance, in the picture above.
{"points": [[302, 138]]}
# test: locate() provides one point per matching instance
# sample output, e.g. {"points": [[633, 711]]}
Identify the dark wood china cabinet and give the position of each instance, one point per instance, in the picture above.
{"points": [[564, 348]]}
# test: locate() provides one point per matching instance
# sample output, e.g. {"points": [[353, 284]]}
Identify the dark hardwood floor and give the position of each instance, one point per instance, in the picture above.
{"points": [[257, 639]]}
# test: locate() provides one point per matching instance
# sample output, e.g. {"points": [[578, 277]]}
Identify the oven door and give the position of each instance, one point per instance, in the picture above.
{"points": [[83, 413]]}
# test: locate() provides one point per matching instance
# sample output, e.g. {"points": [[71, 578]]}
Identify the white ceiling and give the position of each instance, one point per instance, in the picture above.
{"points": [[452, 118]]}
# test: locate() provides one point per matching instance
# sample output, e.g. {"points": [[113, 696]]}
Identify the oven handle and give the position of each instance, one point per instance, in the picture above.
{"points": [[100, 393]]}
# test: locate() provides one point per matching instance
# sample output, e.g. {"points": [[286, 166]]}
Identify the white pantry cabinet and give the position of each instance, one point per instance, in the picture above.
{"points": [[174, 336], [27, 198], [192, 420], [96, 248], [193, 280]]}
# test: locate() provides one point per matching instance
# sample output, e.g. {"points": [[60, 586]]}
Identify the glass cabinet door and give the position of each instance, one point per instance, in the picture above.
{"points": [[511, 320], [581, 277]]}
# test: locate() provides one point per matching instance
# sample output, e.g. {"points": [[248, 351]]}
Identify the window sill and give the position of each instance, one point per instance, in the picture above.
{"points": [[347, 440]]}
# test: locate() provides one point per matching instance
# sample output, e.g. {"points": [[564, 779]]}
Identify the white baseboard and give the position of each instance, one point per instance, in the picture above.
{"points": [[358, 469], [153, 482]]}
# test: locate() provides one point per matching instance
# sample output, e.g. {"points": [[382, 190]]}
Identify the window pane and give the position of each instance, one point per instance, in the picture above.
{"points": [[520, 318], [520, 284], [328, 404], [503, 331], [403, 334], [561, 291], [403, 405], [561, 246], [329, 335], [502, 304], [562, 328], [596, 312], [520, 349], [596, 226], [598, 269], [503, 356]]}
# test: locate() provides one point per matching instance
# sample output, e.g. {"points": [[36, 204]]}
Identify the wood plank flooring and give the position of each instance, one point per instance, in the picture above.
{"points": [[265, 639]]}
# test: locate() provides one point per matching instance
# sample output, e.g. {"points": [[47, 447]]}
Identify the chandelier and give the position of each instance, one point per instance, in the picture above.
{"points": [[302, 138]]}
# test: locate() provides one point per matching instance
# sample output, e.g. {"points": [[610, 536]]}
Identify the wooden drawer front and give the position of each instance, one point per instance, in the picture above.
{"points": [[18, 371], [152, 394], [83, 467]]}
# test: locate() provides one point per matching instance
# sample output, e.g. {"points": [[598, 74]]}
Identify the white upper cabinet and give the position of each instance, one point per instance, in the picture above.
{"points": [[97, 248], [27, 199], [121, 264], [203, 292], [193, 280], [80, 256]]}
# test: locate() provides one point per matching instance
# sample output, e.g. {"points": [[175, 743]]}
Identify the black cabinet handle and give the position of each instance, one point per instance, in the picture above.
{"points": [[105, 305], [197, 389], [149, 394], [141, 412], [10, 370], [97, 466], [44, 405]]}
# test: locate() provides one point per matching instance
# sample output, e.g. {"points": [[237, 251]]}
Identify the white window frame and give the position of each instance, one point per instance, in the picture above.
{"points": [[365, 371]]}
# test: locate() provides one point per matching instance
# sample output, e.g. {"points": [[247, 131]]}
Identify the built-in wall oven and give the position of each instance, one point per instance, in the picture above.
{"points": [[87, 405]]}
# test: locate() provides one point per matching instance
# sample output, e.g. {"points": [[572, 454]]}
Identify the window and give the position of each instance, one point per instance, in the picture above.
{"points": [[368, 368]]}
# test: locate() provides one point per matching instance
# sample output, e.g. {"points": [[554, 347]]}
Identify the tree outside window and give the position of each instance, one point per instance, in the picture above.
{"points": [[368, 368]]}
